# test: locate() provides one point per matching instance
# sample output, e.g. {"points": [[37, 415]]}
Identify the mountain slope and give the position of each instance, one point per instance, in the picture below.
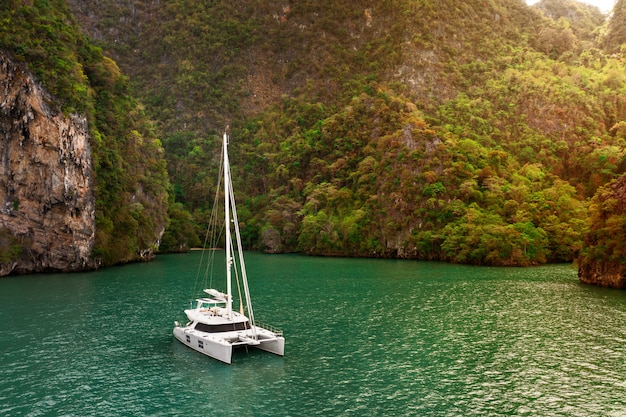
{"points": [[466, 131], [615, 36]]}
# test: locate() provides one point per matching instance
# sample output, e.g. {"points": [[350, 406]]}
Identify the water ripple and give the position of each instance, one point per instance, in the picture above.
{"points": [[364, 337]]}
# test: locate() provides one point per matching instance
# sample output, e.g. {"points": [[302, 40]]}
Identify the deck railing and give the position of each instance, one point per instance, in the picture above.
{"points": [[279, 332]]}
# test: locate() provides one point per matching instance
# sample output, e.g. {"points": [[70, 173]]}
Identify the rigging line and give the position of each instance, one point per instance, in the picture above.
{"points": [[241, 260], [236, 268], [211, 239], [216, 231], [217, 228], [208, 274]]}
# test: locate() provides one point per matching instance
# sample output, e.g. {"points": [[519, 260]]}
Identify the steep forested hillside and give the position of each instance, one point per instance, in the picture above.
{"points": [[131, 181], [470, 131], [615, 36], [602, 260], [584, 21]]}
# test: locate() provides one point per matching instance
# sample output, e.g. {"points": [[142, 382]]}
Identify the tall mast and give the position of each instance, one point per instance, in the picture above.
{"points": [[229, 259]]}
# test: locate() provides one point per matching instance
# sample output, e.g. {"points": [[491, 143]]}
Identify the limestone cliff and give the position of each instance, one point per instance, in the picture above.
{"points": [[46, 202], [611, 275]]}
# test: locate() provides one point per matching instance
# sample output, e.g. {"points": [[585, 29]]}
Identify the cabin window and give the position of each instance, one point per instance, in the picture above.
{"points": [[200, 344], [188, 338], [219, 328]]}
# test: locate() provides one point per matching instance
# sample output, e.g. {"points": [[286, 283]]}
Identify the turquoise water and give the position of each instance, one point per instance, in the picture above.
{"points": [[363, 337]]}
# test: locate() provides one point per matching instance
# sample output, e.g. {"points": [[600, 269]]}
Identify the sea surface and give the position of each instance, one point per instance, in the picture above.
{"points": [[363, 338]]}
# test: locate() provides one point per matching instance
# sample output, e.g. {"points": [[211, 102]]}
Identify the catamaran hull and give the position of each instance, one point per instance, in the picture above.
{"points": [[273, 346], [215, 348], [222, 348]]}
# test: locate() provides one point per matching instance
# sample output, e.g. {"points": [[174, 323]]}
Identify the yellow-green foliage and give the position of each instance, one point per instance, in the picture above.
{"points": [[607, 217], [614, 39], [374, 179], [605, 240]]}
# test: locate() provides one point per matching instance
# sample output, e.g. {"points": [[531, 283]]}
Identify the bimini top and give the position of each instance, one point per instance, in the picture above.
{"points": [[217, 296], [209, 301]]}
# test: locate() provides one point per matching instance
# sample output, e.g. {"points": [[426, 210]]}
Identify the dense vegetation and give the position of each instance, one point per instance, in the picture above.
{"points": [[472, 131], [615, 36], [130, 175], [605, 243], [404, 188]]}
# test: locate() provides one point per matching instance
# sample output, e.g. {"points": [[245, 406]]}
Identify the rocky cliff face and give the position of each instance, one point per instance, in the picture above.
{"points": [[46, 201], [604, 274]]}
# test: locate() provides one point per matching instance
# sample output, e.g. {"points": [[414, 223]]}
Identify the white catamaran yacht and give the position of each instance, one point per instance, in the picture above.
{"points": [[214, 327]]}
